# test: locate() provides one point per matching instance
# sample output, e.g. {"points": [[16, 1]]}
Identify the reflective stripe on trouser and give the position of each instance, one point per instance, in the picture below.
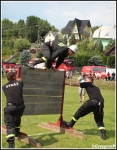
{"points": [[74, 119], [44, 59], [10, 135], [101, 128], [18, 127], [62, 44]]}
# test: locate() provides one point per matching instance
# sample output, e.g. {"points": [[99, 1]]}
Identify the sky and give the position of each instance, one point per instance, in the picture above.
{"points": [[59, 13]]}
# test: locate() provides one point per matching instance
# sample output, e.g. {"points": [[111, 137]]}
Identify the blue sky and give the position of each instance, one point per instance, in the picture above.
{"points": [[59, 13]]}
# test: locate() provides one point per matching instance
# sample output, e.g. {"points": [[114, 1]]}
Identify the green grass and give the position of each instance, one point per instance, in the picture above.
{"points": [[86, 124]]}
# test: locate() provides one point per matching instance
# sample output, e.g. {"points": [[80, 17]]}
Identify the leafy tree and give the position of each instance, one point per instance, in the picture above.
{"points": [[22, 44], [95, 28], [72, 40], [21, 25], [81, 60], [62, 30], [7, 28], [25, 57], [104, 59], [111, 61], [110, 44], [95, 60]]}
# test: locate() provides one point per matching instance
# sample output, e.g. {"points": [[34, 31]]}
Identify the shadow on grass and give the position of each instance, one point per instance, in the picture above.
{"points": [[44, 140], [48, 139], [109, 133]]}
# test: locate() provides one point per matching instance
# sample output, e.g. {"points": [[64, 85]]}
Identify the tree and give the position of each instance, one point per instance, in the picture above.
{"points": [[95, 60], [25, 57], [111, 61], [110, 44], [22, 44], [104, 59], [65, 40], [7, 29], [21, 25], [95, 28], [57, 38], [72, 40], [98, 47]]}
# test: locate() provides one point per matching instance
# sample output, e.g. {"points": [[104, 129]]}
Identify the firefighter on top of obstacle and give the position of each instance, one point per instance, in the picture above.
{"points": [[51, 50]]}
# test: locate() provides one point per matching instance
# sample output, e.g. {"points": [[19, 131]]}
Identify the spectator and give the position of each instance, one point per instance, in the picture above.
{"points": [[108, 76], [93, 75], [113, 76], [81, 91], [98, 75]]}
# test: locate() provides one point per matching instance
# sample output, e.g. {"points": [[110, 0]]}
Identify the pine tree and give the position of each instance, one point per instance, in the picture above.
{"points": [[65, 40], [25, 57]]}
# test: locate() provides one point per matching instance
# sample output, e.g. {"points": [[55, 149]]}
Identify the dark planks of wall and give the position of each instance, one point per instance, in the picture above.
{"points": [[42, 91]]}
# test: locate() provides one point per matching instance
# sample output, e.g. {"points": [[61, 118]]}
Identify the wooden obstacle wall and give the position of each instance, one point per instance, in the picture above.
{"points": [[43, 91]]}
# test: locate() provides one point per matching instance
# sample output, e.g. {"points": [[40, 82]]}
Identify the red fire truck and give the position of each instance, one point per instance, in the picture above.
{"points": [[67, 65], [8, 66]]}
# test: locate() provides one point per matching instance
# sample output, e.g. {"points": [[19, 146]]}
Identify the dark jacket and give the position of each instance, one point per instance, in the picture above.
{"points": [[92, 91], [57, 51], [13, 91]]}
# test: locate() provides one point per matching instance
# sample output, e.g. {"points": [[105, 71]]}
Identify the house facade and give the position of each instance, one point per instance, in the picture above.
{"points": [[80, 28], [105, 34], [50, 36]]}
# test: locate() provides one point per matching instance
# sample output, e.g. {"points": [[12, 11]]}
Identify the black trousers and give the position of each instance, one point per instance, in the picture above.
{"points": [[12, 119], [50, 53], [92, 106]]}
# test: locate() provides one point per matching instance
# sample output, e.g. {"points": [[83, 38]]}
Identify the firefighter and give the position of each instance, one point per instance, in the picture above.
{"points": [[95, 104], [14, 107], [51, 50]]}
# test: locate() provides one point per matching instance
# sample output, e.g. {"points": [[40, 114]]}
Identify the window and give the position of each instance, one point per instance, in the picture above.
{"points": [[103, 69], [50, 34], [96, 69]]}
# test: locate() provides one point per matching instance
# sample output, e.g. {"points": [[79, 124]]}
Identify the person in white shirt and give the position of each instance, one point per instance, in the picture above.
{"points": [[81, 91]]}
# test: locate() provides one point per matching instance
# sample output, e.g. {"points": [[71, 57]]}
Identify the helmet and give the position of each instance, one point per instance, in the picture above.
{"points": [[74, 48]]}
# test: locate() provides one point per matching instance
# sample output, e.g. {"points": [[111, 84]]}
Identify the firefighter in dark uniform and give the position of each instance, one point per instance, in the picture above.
{"points": [[51, 50], [95, 104], [14, 107]]}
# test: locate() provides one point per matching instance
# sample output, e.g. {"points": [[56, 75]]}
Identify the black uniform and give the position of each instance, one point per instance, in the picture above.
{"points": [[95, 104], [14, 107], [50, 53]]}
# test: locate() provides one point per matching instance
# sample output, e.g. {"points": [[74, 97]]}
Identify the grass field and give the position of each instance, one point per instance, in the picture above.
{"points": [[49, 139]]}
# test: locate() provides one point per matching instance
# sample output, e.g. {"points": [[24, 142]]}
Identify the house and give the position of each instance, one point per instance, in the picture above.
{"points": [[105, 34], [80, 28], [111, 51], [52, 36]]}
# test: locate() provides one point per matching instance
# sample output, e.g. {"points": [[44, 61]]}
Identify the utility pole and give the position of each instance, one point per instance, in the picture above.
{"points": [[38, 36]]}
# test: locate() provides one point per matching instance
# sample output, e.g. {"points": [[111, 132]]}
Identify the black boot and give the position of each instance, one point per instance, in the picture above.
{"points": [[17, 132], [103, 132], [69, 124], [11, 144]]}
